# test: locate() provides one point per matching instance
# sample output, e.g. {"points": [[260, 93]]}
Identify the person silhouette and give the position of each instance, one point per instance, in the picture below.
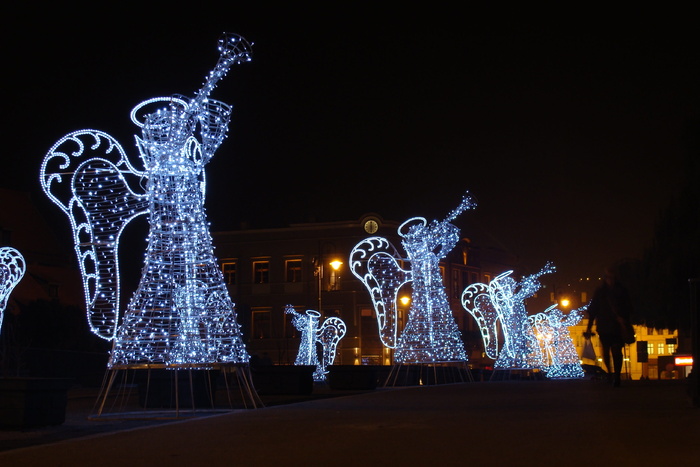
{"points": [[610, 309]]}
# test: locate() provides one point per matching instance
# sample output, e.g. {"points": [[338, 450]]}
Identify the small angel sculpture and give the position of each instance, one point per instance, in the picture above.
{"points": [[431, 334], [327, 335]]}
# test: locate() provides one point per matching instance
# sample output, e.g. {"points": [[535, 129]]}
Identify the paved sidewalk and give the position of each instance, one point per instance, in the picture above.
{"points": [[514, 423]]}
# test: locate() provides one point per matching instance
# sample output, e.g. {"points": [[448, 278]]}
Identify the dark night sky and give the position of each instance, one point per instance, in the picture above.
{"points": [[566, 126]]}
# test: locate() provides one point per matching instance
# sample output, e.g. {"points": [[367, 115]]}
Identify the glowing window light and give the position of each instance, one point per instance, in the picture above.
{"points": [[431, 334], [181, 313], [12, 269], [502, 302], [327, 335]]}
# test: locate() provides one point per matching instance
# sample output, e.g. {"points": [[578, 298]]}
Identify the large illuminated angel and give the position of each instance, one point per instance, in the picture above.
{"points": [[431, 334], [181, 313], [501, 304], [327, 335], [12, 269]]}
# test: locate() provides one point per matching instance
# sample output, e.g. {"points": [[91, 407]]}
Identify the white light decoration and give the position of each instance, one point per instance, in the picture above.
{"points": [[181, 315], [431, 334], [550, 327], [12, 269], [502, 302], [327, 335]]}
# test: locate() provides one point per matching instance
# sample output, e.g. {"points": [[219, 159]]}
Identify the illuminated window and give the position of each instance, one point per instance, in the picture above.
{"points": [[261, 272], [293, 270], [262, 323], [650, 348], [671, 348], [662, 347], [229, 270]]}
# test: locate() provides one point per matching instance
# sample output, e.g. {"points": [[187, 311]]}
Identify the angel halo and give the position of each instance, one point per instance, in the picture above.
{"points": [[181, 314], [431, 334]]}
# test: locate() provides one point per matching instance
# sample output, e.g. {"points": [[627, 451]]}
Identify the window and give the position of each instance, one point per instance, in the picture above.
{"points": [[474, 278], [229, 270], [261, 272], [671, 348], [292, 270], [662, 347], [262, 323]]}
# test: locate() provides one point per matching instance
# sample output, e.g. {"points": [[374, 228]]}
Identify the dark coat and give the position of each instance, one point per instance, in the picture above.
{"points": [[610, 304]]}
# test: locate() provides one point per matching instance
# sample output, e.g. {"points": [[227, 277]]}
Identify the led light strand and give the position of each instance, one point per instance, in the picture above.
{"points": [[431, 334], [503, 301], [12, 269], [327, 335], [550, 327], [181, 314]]}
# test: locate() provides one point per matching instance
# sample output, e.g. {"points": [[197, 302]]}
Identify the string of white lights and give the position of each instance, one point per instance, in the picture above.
{"points": [[551, 328], [540, 341], [328, 335], [12, 269], [431, 334], [181, 314]]}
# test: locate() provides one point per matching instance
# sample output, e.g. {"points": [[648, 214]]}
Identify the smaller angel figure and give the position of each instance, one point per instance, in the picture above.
{"points": [[431, 334], [327, 335], [551, 327], [502, 302]]}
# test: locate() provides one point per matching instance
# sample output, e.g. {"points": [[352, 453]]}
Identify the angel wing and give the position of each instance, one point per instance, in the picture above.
{"points": [[477, 301], [12, 269], [85, 174], [332, 330], [375, 261]]}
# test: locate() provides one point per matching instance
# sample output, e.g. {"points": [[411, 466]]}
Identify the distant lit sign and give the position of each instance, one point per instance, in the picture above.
{"points": [[684, 360]]}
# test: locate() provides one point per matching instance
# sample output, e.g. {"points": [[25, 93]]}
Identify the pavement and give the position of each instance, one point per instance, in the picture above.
{"points": [[485, 423]]}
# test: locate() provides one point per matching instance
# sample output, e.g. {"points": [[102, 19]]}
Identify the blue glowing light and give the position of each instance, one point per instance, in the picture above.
{"points": [[181, 313], [541, 341], [12, 269], [559, 357], [502, 302], [431, 334], [327, 335]]}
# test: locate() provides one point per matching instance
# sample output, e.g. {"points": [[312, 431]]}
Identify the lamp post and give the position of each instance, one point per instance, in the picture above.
{"points": [[334, 279]]}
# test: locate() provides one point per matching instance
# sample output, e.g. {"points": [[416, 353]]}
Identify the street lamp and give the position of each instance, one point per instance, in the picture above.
{"points": [[334, 280], [335, 276]]}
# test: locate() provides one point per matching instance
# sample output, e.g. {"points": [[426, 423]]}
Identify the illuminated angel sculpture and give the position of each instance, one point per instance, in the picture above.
{"points": [[502, 303], [431, 334], [12, 269], [181, 314], [551, 328], [327, 335]]}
